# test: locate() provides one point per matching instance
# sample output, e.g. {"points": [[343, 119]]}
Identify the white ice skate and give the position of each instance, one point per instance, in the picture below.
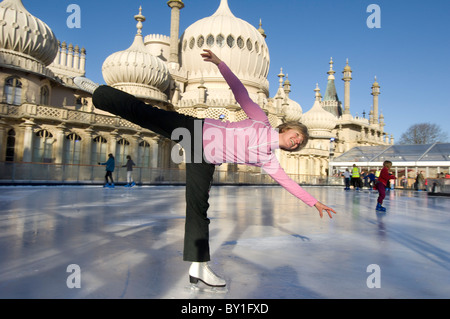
{"points": [[201, 271], [85, 84]]}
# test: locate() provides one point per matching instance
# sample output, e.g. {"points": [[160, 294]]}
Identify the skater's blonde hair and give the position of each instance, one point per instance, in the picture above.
{"points": [[300, 128]]}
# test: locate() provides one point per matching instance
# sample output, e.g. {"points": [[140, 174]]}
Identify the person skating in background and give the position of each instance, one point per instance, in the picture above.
{"points": [[110, 164], [382, 183], [347, 178], [129, 165], [356, 179]]}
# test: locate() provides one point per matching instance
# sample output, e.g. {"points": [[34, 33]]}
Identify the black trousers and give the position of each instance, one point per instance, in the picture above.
{"points": [[199, 173], [108, 175]]}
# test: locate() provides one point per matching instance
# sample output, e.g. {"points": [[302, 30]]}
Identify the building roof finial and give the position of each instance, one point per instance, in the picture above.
{"points": [[140, 18]]}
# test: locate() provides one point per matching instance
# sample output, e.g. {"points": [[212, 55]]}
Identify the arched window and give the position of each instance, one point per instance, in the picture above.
{"points": [[122, 151], [220, 40], [144, 154], [10, 145], [78, 102], [230, 41], [13, 91], [45, 95], [210, 40], [99, 149], [73, 149], [191, 43], [249, 45], [240, 42], [43, 147], [200, 41]]}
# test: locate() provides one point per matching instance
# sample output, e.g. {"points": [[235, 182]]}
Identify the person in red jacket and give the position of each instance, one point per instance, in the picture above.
{"points": [[382, 182]]}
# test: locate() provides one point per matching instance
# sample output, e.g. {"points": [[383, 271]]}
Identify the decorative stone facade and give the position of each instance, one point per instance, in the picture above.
{"points": [[45, 118]]}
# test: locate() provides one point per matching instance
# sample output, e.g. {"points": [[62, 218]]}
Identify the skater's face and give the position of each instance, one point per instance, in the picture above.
{"points": [[290, 140]]}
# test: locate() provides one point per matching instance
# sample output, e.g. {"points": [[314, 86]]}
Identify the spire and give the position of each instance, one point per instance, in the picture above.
{"points": [[261, 30], [331, 72], [281, 76], [139, 18], [138, 43], [331, 101], [223, 9], [317, 94], [330, 92]]}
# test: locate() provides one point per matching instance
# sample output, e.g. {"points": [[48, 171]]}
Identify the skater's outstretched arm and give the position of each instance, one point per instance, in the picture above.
{"points": [[241, 95], [275, 171]]}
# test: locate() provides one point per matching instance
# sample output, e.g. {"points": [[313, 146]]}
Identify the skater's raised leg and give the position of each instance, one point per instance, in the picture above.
{"points": [[134, 110]]}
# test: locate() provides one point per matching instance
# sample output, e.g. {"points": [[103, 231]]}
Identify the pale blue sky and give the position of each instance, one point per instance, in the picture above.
{"points": [[409, 54]]}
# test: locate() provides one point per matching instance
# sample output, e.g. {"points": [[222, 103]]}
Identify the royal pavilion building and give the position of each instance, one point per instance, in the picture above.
{"points": [[50, 131]]}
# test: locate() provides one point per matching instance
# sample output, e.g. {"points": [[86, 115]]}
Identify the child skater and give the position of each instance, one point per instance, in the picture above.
{"points": [[381, 184], [220, 142]]}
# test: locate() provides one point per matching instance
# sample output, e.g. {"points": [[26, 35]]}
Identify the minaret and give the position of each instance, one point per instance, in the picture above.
{"points": [[347, 78], [375, 93], [287, 86], [176, 6], [280, 91]]}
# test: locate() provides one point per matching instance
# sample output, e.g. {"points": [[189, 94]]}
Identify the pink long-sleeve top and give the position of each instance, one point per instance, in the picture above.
{"points": [[251, 141]]}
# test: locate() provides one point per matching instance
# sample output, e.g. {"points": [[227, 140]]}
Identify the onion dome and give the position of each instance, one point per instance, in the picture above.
{"points": [[375, 86], [292, 110], [23, 33], [319, 121], [136, 70], [347, 67], [240, 45]]}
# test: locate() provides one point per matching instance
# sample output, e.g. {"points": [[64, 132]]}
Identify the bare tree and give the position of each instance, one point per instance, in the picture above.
{"points": [[423, 133]]}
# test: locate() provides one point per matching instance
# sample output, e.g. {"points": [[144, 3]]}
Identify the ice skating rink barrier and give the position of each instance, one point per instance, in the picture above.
{"points": [[438, 186], [48, 173]]}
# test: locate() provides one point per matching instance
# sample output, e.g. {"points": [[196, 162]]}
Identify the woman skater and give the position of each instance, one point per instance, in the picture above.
{"points": [[251, 141]]}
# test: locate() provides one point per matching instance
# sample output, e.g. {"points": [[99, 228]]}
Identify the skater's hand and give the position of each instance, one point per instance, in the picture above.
{"points": [[321, 207], [209, 56]]}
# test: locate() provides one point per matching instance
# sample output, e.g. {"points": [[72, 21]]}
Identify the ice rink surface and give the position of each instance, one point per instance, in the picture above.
{"points": [[127, 243]]}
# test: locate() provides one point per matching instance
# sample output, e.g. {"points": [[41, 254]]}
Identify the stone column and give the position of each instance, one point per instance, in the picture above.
{"points": [[3, 139], [28, 140], [60, 141], [87, 152]]}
